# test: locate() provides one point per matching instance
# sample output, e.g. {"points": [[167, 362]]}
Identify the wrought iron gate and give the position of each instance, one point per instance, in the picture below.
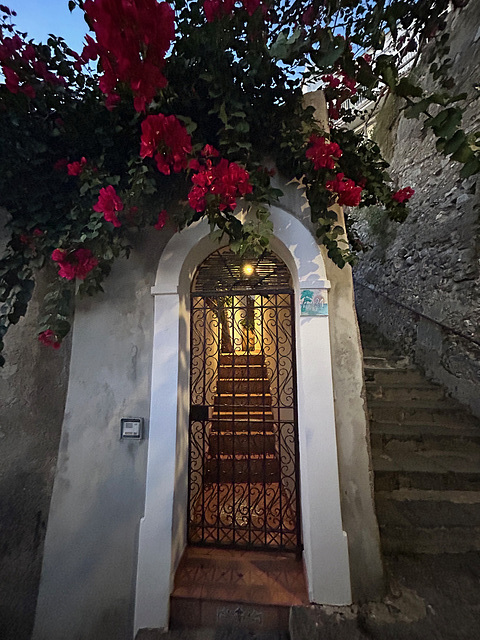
{"points": [[243, 469]]}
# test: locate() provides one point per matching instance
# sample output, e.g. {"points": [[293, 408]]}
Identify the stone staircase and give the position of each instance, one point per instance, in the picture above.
{"points": [[426, 459], [242, 438]]}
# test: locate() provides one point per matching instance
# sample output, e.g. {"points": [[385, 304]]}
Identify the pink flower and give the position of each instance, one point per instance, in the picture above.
{"points": [[133, 37], [210, 152], [12, 81], [308, 16], [85, 262], [322, 153], [76, 168], [349, 194], [168, 137], [251, 6], [76, 264], [108, 203], [333, 82], [162, 220], [227, 181], [49, 339], [402, 195], [217, 8], [59, 255]]}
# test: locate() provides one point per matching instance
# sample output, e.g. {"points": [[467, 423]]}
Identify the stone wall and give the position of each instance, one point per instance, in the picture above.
{"points": [[33, 385], [419, 285]]}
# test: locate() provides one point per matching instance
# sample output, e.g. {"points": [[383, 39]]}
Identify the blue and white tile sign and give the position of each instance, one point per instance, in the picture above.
{"points": [[313, 302]]}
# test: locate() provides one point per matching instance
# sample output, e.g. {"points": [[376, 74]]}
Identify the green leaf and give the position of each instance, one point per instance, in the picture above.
{"points": [[470, 168], [406, 88], [454, 143], [416, 109], [222, 114], [463, 154]]}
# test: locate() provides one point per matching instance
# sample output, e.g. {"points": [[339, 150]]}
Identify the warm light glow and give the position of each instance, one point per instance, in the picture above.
{"points": [[248, 269]]}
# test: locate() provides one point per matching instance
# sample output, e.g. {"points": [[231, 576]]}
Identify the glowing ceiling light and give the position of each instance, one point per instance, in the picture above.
{"points": [[248, 269]]}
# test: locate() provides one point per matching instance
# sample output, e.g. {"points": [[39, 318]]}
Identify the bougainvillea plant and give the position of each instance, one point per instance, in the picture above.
{"points": [[176, 111]]}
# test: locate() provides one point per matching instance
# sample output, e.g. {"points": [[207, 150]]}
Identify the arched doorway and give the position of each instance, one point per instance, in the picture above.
{"points": [[243, 435], [163, 529]]}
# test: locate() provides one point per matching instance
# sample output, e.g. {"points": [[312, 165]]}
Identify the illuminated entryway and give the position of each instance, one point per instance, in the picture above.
{"points": [[243, 439], [164, 528]]}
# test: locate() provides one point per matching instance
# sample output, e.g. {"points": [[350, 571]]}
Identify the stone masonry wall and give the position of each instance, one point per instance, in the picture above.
{"points": [[430, 263], [32, 398]]}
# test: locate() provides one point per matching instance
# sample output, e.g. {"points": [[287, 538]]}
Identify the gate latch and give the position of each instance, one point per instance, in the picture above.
{"points": [[199, 412]]}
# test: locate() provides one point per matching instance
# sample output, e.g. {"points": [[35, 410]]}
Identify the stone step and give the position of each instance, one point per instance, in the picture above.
{"points": [[241, 443], [420, 413], [212, 633], [238, 619], [249, 592], [381, 375], [262, 469], [391, 437], [230, 372], [241, 359], [385, 361], [424, 509], [419, 521], [438, 540], [395, 392], [246, 422], [432, 469], [240, 385], [231, 401]]}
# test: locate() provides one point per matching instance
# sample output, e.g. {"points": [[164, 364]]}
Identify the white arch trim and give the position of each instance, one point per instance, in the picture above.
{"points": [[163, 528]]}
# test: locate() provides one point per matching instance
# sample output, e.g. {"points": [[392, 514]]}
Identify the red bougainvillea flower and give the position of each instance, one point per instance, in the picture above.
{"points": [[49, 339], [162, 220], [133, 37], [227, 181], [166, 138], [349, 194], [251, 6], [308, 17], [12, 81], [217, 9], [322, 153], [402, 195], [76, 264], [210, 152], [108, 203], [76, 168], [331, 81]]}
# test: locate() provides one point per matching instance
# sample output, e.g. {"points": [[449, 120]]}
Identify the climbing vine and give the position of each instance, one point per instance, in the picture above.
{"points": [[185, 110]]}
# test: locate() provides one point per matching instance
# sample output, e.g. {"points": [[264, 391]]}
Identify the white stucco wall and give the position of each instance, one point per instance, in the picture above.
{"points": [[105, 489], [88, 576]]}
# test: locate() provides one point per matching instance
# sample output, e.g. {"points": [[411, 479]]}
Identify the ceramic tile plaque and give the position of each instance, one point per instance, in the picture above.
{"points": [[313, 302]]}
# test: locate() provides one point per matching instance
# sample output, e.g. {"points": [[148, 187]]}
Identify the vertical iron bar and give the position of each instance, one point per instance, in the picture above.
{"points": [[280, 429]]}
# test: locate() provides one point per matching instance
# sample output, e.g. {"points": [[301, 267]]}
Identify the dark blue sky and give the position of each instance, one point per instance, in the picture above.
{"points": [[41, 17]]}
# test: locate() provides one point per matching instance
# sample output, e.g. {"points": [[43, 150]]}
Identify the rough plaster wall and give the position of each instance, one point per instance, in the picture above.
{"points": [[355, 467], [431, 262], [99, 492], [33, 385]]}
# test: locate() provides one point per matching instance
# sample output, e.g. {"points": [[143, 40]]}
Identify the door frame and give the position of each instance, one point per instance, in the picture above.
{"points": [[204, 366], [162, 533]]}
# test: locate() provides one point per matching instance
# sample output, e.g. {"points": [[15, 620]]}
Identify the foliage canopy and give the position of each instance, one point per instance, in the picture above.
{"points": [[174, 112]]}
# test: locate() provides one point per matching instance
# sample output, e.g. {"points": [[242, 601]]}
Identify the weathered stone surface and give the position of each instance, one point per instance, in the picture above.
{"points": [[32, 391], [430, 263]]}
